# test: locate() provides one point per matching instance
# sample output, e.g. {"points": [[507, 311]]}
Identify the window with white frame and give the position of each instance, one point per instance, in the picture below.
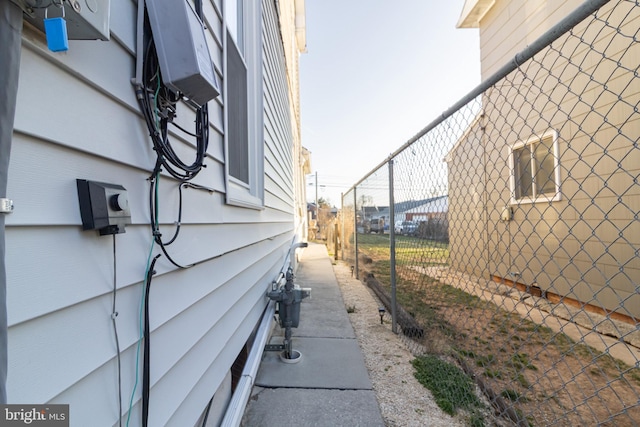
{"points": [[535, 172], [244, 135]]}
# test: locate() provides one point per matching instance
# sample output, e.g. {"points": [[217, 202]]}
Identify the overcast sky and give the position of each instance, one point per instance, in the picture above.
{"points": [[377, 72]]}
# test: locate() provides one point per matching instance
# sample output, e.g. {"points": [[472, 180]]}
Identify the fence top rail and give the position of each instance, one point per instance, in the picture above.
{"points": [[586, 9]]}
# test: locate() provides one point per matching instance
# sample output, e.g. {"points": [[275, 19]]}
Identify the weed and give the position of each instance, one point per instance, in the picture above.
{"points": [[521, 361], [451, 387], [468, 353], [520, 379], [510, 394], [351, 309], [487, 360], [493, 373], [476, 420]]}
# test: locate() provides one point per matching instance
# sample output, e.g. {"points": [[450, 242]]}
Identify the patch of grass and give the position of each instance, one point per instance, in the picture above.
{"points": [[450, 386], [480, 340], [493, 373], [527, 325], [451, 294], [521, 361], [351, 309], [476, 420], [510, 394], [484, 361], [520, 379], [468, 353], [563, 343], [409, 250], [545, 330]]}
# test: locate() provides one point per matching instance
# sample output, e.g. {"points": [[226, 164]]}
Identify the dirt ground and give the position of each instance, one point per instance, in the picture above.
{"points": [[544, 377], [403, 401]]}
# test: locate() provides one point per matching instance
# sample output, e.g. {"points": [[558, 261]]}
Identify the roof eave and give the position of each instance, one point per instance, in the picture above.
{"points": [[301, 26], [472, 13]]}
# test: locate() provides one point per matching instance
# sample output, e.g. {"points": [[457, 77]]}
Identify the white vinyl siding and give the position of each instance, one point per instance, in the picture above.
{"points": [[77, 117]]}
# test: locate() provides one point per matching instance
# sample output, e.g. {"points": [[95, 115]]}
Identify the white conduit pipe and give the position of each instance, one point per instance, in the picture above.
{"points": [[235, 410], [240, 397]]}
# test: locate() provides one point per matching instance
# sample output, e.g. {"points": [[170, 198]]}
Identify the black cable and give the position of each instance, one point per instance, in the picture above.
{"points": [[114, 314], [184, 130], [155, 228], [158, 105], [153, 209], [146, 369]]}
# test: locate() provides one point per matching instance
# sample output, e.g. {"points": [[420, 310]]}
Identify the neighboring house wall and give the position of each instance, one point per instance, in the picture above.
{"points": [[579, 219], [507, 27], [467, 202], [77, 117]]}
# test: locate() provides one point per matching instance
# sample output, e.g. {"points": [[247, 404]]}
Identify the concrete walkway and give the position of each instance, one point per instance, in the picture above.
{"points": [[330, 385]]}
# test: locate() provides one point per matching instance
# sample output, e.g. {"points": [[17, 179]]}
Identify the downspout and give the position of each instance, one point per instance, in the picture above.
{"points": [[10, 49]]}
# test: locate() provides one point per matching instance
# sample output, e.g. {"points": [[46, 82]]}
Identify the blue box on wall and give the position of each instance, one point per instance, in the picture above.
{"points": [[56, 31]]}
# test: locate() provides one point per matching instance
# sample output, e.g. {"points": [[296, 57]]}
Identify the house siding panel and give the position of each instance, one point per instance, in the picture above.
{"points": [[509, 27], [278, 136], [585, 244], [60, 279]]}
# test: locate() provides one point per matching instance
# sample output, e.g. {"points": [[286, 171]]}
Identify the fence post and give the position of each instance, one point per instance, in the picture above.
{"points": [[342, 223], [392, 249], [355, 229], [335, 241]]}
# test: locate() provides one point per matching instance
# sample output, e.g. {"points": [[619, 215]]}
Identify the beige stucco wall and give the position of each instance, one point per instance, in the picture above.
{"points": [[583, 246]]}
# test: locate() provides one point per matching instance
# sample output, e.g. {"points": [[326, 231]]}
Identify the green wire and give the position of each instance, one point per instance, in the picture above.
{"points": [[144, 285]]}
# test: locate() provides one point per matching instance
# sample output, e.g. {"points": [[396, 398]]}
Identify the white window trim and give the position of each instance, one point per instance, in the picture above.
{"points": [[556, 170], [238, 193]]}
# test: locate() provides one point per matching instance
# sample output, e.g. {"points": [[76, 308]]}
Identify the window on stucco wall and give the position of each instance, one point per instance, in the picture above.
{"points": [[535, 172]]}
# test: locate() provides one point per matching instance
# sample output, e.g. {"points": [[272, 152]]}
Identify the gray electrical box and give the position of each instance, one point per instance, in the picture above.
{"points": [[86, 19], [182, 49], [103, 206]]}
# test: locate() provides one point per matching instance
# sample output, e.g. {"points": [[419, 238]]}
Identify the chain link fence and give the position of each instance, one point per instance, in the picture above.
{"points": [[510, 242]]}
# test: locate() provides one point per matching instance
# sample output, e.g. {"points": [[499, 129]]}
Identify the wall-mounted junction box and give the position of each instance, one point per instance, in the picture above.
{"points": [[183, 54], [86, 19], [103, 207], [506, 214]]}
